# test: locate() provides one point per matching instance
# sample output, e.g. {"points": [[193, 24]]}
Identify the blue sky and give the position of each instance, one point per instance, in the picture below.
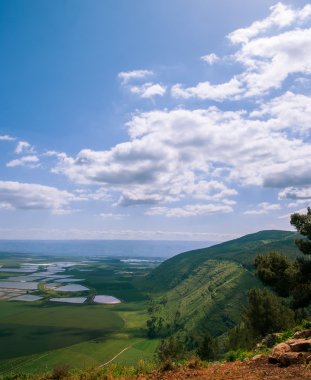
{"points": [[180, 119]]}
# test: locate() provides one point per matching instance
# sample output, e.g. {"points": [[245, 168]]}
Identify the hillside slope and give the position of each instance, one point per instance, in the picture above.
{"points": [[207, 288], [242, 250]]}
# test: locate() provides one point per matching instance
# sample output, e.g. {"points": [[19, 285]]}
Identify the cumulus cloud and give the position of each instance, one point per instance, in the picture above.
{"points": [[270, 60], [6, 138], [24, 147], [210, 58], [149, 90], [268, 54], [263, 208], [174, 155], [28, 161], [29, 196], [206, 90], [127, 76], [281, 16], [154, 166], [290, 110], [294, 193], [190, 210]]}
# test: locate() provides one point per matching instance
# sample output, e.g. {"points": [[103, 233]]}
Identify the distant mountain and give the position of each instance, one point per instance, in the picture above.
{"points": [[208, 287]]}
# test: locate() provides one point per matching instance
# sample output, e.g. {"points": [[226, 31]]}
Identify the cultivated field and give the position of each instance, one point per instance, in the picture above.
{"points": [[43, 334]]}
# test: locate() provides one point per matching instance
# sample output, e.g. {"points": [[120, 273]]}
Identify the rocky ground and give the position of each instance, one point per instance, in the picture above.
{"points": [[251, 370], [289, 360]]}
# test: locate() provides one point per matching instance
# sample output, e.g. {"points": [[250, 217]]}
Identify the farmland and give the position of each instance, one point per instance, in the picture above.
{"points": [[42, 334]]}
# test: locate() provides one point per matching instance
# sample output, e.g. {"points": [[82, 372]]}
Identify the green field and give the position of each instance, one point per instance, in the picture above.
{"points": [[41, 335]]}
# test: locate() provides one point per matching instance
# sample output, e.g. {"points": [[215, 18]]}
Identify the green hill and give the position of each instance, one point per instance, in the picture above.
{"points": [[207, 288]]}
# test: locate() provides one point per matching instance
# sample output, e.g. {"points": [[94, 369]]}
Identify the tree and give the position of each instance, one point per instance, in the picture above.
{"points": [[267, 313], [302, 223], [277, 271], [170, 349], [208, 348], [302, 292]]}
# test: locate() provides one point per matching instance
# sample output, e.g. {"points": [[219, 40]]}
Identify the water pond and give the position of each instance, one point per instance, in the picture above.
{"points": [[106, 299], [18, 285], [26, 297], [69, 299], [72, 288]]}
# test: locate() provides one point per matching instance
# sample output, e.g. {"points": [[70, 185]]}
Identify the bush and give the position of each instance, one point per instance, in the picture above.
{"points": [[208, 349], [170, 350], [60, 372], [238, 355]]}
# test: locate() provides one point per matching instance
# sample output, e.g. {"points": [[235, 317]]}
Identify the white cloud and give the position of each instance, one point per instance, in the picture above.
{"points": [[29, 196], [190, 210], [151, 168], [174, 155], [268, 55], [206, 90], [24, 147], [6, 138], [270, 60], [295, 193], [110, 215], [100, 194], [290, 110], [127, 76], [149, 90], [287, 216], [263, 208], [28, 161], [281, 16], [210, 58], [127, 234]]}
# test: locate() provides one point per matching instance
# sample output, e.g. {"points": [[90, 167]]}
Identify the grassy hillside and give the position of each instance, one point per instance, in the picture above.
{"points": [[207, 288], [242, 250]]}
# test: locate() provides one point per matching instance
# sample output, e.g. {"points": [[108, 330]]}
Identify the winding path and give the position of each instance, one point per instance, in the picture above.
{"points": [[109, 361]]}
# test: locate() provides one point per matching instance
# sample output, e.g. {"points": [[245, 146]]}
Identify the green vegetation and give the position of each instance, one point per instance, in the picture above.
{"points": [[290, 277], [242, 251], [215, 293], [43, 335], [202, 292], [204, 302]]}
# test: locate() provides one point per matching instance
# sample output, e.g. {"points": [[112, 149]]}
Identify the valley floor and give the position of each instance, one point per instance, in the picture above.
{"points": [[236, 371]]}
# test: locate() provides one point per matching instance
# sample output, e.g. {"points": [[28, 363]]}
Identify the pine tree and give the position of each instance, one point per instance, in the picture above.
{"points": [[302, 223]]}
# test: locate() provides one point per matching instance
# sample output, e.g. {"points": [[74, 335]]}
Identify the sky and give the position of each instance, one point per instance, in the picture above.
{"points": [[168, 120]]}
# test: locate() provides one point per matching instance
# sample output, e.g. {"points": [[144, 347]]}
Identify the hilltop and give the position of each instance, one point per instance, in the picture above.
{"points": [[207, 288]]}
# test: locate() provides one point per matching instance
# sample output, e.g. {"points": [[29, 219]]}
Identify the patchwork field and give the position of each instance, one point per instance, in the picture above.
{"points": [[89, 326]]}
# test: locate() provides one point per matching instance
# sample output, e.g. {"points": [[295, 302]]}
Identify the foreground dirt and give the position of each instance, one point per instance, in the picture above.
{"points": [[237, 370]]}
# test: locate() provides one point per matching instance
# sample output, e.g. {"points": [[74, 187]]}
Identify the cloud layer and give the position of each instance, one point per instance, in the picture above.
{"points": [[28, 196]]}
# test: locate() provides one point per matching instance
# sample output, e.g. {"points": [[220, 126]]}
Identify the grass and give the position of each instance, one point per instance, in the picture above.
{"points": [[29, 329]]}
